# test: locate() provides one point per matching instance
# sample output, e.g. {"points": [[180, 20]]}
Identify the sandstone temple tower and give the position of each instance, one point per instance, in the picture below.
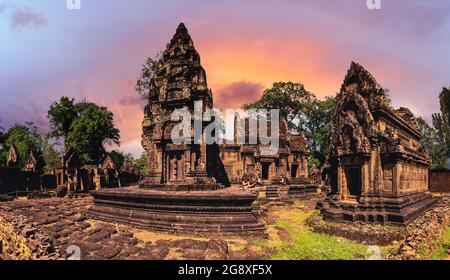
{"points": [[179, 194], [377, 169], [179, 83]]}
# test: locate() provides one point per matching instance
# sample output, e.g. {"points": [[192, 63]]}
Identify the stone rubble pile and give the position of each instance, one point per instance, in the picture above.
{"points": [[49, 228], [40, 244], [424, 233], [361, 233]]}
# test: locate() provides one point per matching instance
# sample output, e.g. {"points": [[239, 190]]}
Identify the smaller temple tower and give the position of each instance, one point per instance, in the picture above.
{"points": [[377, 169], [31, 164], [13, 159]]}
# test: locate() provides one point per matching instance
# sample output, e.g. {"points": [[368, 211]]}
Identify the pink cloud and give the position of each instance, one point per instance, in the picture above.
{"points": [[131, 100], [236, 94], [21, 18]]}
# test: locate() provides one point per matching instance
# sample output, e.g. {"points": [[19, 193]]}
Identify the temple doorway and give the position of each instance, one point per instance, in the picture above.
{"points": [[265, 170], [294, 169], [354, 183]]}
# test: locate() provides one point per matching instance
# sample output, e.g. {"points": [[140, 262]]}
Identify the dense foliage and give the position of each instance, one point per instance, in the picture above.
{"points": [[436, 138], [25, 138], [148, 72], [141, 164], [304, 112], [86, 127]]}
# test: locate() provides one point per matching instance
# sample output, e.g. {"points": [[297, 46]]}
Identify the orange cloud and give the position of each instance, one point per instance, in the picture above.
{"points": [[265, 61]]}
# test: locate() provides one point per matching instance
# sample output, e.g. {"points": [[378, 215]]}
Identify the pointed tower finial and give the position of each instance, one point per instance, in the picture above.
{"points": [[181, 27]]}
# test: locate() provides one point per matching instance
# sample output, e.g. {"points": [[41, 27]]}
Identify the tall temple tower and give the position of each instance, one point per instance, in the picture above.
{"points": [[178, 195], [179, 83]]}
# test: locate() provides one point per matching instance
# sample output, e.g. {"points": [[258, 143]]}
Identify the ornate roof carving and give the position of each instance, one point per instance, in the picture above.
{"points": [[12, 157]]}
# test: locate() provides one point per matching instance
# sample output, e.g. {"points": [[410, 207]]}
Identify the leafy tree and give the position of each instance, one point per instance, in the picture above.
{"points": [[50, 155], [436, 138], [317, 123], [25, 138], [432, 143], [93, 128], [148, 72], [444, 101], [118, 157], [61, 115], [288, 97], [304, 112], [441, 125], [85, 126], [141, 164]]}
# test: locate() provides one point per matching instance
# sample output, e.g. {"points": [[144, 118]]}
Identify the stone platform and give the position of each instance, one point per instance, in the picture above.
{"points": [[394, 209], [302, 190], [225, 211]]}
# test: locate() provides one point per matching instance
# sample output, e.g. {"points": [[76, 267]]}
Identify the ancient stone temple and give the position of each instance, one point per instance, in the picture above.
{"points": [[290, 162], [377, 169], [12, 157], [31, 164], [179, 194], [283, 175]]}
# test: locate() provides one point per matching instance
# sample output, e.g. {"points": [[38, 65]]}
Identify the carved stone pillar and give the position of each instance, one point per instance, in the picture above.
{"points": [[154, 164], [305, 167], [396, 188], [340, 181]]}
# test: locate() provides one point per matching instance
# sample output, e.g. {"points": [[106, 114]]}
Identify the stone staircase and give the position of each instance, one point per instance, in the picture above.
{"points": [[272, 192]]}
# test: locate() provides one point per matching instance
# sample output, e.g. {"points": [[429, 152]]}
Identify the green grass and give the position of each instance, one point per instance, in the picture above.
{"points": [[261, 243], [307, 244], [440, 253]]}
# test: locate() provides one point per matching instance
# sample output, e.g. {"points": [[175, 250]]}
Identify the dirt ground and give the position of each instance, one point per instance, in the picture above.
{"points": [[58, 228], [54, 228]]}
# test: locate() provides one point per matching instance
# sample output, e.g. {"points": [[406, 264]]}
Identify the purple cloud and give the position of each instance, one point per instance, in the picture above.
{"points": [[22, 18], [236, 94], [131, 100]]}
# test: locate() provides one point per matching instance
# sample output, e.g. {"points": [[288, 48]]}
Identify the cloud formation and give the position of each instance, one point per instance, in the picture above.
{"points": [[234, 95], [97, 54], [132, 100], [22, 18]]}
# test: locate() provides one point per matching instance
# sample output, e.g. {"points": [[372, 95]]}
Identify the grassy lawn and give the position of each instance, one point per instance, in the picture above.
{"points": [[302, 243], [440, 253]]}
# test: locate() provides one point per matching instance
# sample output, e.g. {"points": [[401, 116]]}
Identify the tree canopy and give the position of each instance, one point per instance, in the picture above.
{"points": [[436, 138], [288, 97], [141, 164], [119, 157], [50, 155], [85, 126], [304, 112], [148, 72], [25, 138]]}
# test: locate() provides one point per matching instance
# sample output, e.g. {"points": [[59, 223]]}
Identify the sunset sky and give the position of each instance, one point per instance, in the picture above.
{"points": [[96, 53]]}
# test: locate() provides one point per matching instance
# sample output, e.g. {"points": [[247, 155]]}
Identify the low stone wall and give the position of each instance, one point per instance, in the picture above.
{"points": [[370, 234], [424, 233], [13, 180], [440, 181]]}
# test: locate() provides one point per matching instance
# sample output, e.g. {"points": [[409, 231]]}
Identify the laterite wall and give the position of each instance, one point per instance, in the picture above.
{"points": [[440, 181]]}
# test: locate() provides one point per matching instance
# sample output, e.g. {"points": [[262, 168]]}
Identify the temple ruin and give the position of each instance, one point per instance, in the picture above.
{"points": [[180, 193], [377, 169]]}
